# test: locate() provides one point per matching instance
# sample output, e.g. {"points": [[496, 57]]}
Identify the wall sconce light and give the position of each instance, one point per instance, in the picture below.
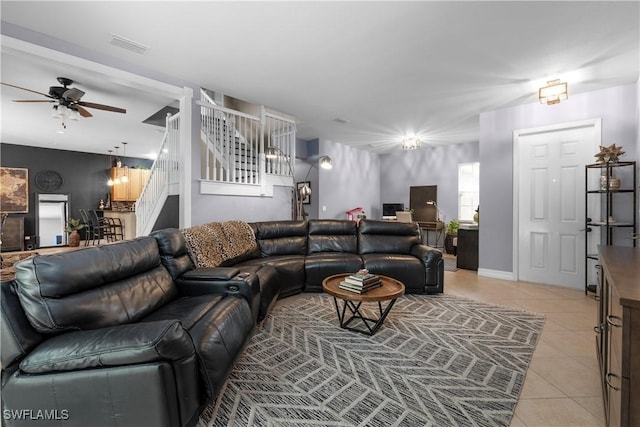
{"points": [[553, 92], [410, 143]]}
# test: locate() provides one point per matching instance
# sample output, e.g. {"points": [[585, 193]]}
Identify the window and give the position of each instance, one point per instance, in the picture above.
{"points": [[468, 190]]}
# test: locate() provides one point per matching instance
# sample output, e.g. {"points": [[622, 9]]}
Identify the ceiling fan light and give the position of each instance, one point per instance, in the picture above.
{"points": [[74, 115], [110, 182]]}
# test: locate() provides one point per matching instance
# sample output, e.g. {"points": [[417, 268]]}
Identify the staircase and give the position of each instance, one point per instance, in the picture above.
{"points": [[163, 179], [233, 147], [232, 158]]}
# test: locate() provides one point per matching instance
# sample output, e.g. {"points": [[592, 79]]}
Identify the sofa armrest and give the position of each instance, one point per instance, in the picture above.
{"points": [[434, 267], [120, 345], [222, 280]]}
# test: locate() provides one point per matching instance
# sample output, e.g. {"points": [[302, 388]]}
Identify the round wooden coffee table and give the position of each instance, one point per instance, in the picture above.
{"points": [[390, 290]]}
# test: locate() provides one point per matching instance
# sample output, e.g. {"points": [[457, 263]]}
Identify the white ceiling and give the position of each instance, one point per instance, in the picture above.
{"points": [[388, 68]]}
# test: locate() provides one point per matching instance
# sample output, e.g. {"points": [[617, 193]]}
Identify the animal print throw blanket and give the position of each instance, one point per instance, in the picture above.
{"points": [[212, 244]]}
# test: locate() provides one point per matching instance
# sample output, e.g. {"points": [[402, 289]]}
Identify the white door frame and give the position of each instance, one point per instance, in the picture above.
{"points": [[595, 123]]}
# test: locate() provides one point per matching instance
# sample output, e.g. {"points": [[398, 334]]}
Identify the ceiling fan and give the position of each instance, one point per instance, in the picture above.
{"points": [[68, 97]]}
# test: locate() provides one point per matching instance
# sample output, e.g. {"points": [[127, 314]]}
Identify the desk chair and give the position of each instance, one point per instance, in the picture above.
{"points": [[404, 216]]}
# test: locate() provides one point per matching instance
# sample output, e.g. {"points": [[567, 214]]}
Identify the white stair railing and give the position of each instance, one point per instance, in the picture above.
{"points": [[234, 143], [231, 142], [164, 174]]}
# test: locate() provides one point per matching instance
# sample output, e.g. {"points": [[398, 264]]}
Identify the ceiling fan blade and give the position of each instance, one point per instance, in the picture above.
{"points": [[73, 94], [34, 100], [83, 112], [28, 90], [101, 107]]}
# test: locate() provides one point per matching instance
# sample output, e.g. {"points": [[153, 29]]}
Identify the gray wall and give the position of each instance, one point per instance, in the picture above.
{"points": [[427, 166], [353, 182], [616, 106]]}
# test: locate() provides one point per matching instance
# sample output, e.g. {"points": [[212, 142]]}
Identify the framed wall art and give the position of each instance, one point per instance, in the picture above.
{"points": [[14, 190]]}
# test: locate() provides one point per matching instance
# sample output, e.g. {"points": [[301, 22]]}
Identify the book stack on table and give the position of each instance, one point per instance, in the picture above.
{"points": [[360, 282]]}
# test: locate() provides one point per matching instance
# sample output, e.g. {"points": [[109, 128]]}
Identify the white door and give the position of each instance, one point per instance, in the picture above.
{"points": [[550, 183]]}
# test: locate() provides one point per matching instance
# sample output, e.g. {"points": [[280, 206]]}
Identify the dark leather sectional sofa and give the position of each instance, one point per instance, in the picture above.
{"points": [[132, 334]]}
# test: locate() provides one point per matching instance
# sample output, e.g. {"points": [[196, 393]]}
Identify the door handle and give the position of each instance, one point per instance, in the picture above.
{"points": [[608, 381], [588, 229], [611, 320]]}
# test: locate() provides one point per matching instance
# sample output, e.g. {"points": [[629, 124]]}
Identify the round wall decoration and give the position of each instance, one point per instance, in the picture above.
{"points": [[48, 180]]}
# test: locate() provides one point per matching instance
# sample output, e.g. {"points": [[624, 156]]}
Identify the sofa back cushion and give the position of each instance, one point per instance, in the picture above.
{"points": [[281, 237], [173, 251], [387, 237], [332, 235], [17, 336], [94, 287]]}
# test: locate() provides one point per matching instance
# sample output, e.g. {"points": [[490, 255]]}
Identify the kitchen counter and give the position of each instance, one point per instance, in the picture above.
{"points": [[128, 219]]}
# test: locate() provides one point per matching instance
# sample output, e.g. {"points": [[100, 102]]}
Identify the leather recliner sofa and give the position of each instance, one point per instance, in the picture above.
{"points": [[296, 256], [104, 336]]}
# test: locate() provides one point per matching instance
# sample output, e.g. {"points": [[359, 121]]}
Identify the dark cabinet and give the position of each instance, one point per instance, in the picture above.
{"points": [[618, 334], [467, 252], [13, 234]]}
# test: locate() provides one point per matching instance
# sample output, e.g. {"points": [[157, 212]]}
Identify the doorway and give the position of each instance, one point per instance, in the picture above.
{"points": [[549, 195], [52, 214]]}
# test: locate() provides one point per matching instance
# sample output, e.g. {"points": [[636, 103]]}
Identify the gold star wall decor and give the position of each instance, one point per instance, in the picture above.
{"points": [[608, 154]]}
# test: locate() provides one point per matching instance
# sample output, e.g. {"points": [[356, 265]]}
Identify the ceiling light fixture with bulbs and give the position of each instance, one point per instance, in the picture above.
{"points": [[62, 112], [411, 143], [554, 92]]}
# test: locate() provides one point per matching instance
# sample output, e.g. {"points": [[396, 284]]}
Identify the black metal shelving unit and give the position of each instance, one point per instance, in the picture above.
{"points": [[609, 227]]}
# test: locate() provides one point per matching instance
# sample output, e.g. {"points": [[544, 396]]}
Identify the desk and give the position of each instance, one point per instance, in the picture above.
{"points": [[438, 227]]}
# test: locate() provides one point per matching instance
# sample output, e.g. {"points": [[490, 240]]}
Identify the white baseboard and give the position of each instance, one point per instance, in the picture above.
{"points": [[496, 274]]}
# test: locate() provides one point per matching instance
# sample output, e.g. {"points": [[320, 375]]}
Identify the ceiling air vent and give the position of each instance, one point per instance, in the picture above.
{"points": [[129, 44]]}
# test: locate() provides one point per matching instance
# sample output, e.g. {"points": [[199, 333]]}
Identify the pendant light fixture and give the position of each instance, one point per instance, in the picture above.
{"points": [[118, 164], [125, 178], [110, 181]]}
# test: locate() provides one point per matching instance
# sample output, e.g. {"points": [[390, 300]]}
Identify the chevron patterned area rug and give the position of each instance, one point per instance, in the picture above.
{"points": [[437, 361]]}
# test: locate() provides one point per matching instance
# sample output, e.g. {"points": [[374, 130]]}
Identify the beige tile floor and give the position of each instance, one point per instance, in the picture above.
{"points": [[562, 387]]}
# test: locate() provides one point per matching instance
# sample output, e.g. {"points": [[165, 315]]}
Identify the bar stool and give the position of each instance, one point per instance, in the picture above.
{"points": [[117, 228], [90, 232], [101, 226]]}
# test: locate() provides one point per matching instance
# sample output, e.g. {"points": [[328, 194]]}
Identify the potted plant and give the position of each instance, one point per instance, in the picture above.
{"points": [[72, 228], [451, 233]]}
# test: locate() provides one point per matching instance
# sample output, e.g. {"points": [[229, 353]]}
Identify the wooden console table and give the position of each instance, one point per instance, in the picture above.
{"points": [[618, 339]]}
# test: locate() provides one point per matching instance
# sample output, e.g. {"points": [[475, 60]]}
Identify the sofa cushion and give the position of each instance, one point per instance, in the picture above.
{"points": [[115, 346], [173, 251], [17, 336], [387, 237], [94, 287], [281, 237], [269, 286], [319, 266], [406, 268], [331, 235], [215, 243], [220, 327], [289, 272]]}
